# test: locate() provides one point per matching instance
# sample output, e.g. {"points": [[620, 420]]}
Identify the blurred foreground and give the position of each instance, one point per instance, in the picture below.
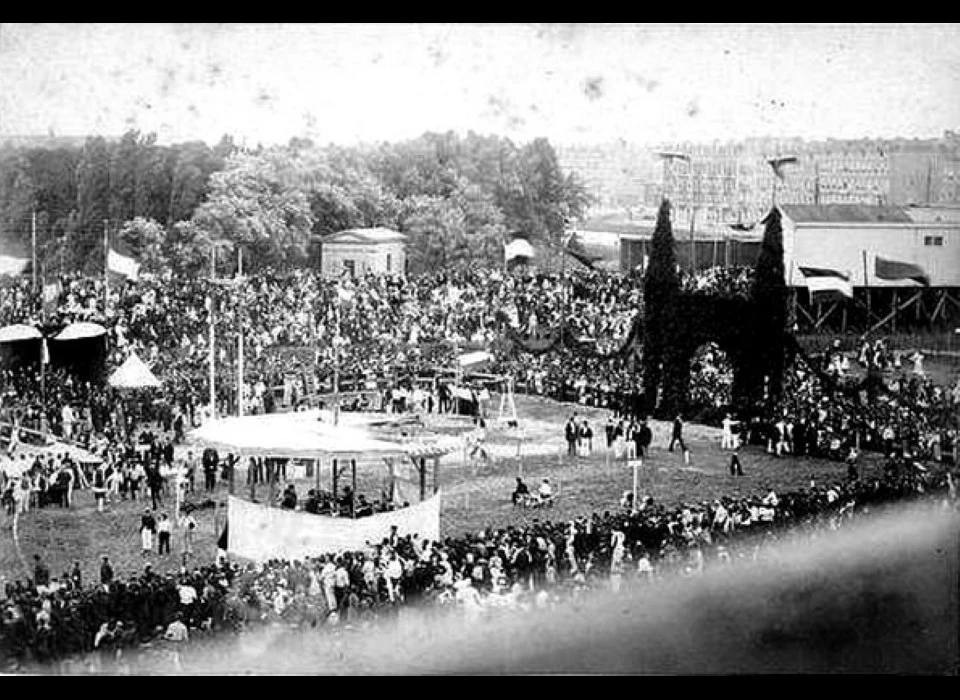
{"points": [[879, 596]]}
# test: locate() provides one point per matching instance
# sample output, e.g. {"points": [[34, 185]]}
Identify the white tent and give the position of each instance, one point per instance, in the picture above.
{"points": [[133, 374], [76, 331], [18, 331]]}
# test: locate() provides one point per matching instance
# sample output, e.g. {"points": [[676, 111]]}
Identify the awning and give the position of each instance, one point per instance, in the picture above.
{"points": [[17, 332], [77, 331]]}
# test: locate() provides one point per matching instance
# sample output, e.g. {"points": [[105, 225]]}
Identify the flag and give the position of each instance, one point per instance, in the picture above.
{"points": [[778, 163], [518, 248], [122, 265], [823, 282], [895, 270], [583, 258], [13, 266]]}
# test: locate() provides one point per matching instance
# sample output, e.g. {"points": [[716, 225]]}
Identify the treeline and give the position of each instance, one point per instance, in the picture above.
{"points": [[168, 206]]}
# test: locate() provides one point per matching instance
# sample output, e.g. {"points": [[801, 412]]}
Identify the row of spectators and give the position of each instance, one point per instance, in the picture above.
{"points": [[515, 567]]}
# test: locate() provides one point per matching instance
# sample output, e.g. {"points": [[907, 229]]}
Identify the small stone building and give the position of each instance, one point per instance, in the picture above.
{"points": [[363, 251]]}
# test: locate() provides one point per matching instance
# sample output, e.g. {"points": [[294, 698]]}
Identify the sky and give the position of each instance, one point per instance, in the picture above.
{"points": [[572, 83]]}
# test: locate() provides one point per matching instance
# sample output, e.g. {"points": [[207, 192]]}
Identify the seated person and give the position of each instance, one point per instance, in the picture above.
{"points": [[520, 493], [312, 502], [364, 507], [545, 492], [289, 498]]}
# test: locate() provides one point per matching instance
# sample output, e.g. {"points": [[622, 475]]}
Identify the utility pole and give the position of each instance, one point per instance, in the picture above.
{"points": [[213, 361], [336, 367], [106, 269], [34, 239], [695, 189]]}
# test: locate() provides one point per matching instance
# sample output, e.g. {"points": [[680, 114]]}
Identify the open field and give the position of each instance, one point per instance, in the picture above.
{"points": [[476, 495]]}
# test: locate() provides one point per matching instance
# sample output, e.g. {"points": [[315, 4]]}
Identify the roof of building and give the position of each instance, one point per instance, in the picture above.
{"points": [[364, 235], [935, 214], [845, 213]]}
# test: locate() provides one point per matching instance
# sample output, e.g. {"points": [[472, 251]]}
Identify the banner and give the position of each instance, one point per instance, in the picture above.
{"points": [[259, 532], [12, 266], [122, 265]]}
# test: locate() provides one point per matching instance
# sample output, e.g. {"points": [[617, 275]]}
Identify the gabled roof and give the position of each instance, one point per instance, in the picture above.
{"points": [[845, 213], [364, 235]]}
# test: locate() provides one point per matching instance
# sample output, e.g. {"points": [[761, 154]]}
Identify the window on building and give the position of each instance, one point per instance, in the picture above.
{"points": [[933, 240], [350, 266]]}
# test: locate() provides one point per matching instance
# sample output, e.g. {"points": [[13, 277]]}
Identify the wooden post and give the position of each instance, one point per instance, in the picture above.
{"points": [[436, 474], [893, 323], [423, 478], [335, 477], [316, 468], [353, 494]]}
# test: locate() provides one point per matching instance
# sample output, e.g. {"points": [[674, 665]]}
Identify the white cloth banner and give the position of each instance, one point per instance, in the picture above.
{"points": [[260, 532]]}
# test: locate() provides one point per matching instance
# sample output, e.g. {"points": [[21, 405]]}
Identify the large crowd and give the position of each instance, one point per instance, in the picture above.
{"points": [[111, 623], [386, 332]]}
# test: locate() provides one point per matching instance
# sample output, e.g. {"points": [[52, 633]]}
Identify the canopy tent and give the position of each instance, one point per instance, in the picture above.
{"points": [[133, 374], [306, 434], [83, 329], [17, 332]]}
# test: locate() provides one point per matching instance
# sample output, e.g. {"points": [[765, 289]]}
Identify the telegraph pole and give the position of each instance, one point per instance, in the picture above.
{"points": [[240, 337], [106, 269], [213, 361]]}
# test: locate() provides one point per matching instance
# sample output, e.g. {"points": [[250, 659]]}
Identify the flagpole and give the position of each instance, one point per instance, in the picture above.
{"points": [[33, 230], [213, 365], [240, 341]]}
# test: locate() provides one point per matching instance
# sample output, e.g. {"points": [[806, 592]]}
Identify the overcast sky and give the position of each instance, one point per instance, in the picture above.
{"points": [[571, 83]]}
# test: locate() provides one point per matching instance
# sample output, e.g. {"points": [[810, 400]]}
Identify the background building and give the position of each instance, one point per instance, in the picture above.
{"points": [[362, 251]]}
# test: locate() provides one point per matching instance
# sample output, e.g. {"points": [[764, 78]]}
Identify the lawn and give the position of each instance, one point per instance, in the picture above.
{"points": [[476, 494]]}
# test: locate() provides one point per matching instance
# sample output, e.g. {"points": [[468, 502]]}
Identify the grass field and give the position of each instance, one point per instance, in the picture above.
{"points": [[476, 495]]}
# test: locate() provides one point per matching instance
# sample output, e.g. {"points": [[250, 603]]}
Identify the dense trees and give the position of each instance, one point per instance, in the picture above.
{"points": [[456, 197]]}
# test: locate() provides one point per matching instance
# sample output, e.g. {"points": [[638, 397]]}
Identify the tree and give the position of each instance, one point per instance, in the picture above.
{"points": [[188, 248], [93, 205], [770, 299], [437, 231], [250, 205], [124, 168], [144, 238], [661, 289]]}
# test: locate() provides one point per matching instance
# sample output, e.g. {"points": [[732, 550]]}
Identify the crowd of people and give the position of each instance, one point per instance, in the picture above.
{"points": [[300, 329], [113, 621]]}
